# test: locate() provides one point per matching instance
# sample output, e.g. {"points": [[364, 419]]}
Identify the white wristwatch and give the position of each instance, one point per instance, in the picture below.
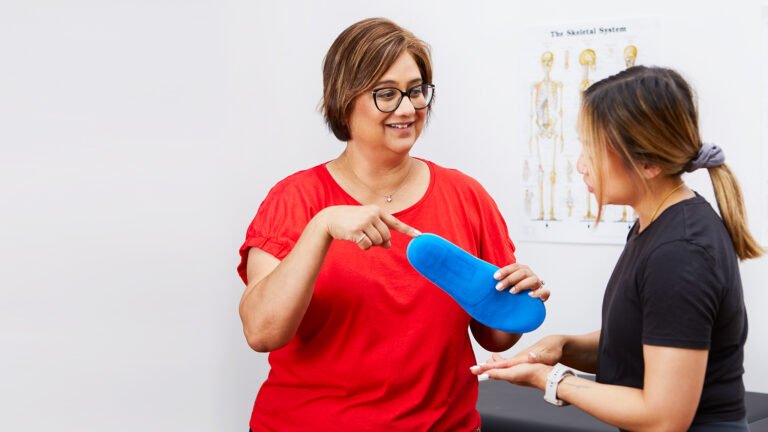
{"points": [[557, 374]]}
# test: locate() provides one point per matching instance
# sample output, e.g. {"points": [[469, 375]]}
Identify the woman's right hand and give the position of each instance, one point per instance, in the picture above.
{"points": [[279, 291], [366, 225]]}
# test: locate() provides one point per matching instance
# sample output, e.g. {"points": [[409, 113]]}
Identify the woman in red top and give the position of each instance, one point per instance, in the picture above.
{"points": [[357, 339]]}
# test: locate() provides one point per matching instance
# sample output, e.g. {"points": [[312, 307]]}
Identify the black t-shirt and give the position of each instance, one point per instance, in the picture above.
{"points": [[677, 284]]}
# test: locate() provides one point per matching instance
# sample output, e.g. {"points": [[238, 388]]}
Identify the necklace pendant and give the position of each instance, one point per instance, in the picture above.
{"points": [[388, 198]]}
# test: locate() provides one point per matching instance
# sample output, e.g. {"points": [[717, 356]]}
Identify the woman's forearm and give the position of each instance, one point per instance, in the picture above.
{"points": [[620, 406], [493, 340], [272, 308], [668, 400], [580, 351], [624, 407]]}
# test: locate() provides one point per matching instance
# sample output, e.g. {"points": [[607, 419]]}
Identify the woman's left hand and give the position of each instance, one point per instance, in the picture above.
{"points": [[518, 278]]}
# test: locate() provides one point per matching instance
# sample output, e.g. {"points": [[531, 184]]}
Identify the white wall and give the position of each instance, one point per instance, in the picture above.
{"points": [[138, 138]]}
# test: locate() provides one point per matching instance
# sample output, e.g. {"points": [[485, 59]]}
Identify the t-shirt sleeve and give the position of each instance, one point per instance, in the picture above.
{"points": [[278, 223], [679, 294]]}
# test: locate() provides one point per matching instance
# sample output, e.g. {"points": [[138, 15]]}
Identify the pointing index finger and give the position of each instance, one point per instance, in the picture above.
{"points": [[398, 226]]}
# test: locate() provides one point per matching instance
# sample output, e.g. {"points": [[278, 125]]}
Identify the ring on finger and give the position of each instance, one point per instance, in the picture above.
{"points": [[361, 238]]}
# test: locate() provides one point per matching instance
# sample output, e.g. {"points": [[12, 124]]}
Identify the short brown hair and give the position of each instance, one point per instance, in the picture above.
{"points": [[648, 115], [358, 57]]}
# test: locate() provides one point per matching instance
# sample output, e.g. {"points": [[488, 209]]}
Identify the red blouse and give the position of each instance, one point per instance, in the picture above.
{"points": [[380, 347]]}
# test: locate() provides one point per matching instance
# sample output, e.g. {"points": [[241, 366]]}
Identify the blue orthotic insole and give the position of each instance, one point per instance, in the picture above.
{"points": [[469, 280]]}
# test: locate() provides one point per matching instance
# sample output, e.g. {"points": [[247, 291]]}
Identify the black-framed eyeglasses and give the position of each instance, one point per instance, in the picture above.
{"points": [[387, 99]]}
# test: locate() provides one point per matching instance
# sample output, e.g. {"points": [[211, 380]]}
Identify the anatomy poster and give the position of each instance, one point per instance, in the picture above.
{"points": [[557, 64]]}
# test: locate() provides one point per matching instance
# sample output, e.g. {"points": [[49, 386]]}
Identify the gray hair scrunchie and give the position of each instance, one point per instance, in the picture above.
{"points": [[709, 156]]}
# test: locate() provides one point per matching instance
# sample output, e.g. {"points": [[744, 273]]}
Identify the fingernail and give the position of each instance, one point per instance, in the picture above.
{"points": [[530, 293], [513, 290], [498, 286], [474, 368], [416, 232], [483, 377], [532, 355], [497, 275]]}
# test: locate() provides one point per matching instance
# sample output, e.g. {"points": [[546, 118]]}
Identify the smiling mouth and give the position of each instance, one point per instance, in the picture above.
{"points": [[400, 125]]}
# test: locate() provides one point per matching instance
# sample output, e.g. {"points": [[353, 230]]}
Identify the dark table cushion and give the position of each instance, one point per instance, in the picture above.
{"points": [[757, 406], [759, 426], [507, 407], [504, 407]]}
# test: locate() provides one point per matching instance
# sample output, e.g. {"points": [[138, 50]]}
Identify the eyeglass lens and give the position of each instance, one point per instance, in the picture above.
{"points": [[388, 99]]}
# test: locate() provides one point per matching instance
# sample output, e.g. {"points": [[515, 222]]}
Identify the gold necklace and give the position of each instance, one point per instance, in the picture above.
{"points": [[653, 216], [387, 197]]}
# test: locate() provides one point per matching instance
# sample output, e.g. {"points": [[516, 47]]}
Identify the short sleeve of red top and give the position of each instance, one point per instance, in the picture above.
{"points": [[380, 347]]}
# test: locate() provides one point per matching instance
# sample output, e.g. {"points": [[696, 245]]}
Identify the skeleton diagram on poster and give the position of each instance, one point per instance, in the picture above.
{"points": [[557, 66]]}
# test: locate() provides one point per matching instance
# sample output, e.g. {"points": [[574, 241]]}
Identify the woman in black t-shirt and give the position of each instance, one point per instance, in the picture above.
{"points": [[669, 354]]}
